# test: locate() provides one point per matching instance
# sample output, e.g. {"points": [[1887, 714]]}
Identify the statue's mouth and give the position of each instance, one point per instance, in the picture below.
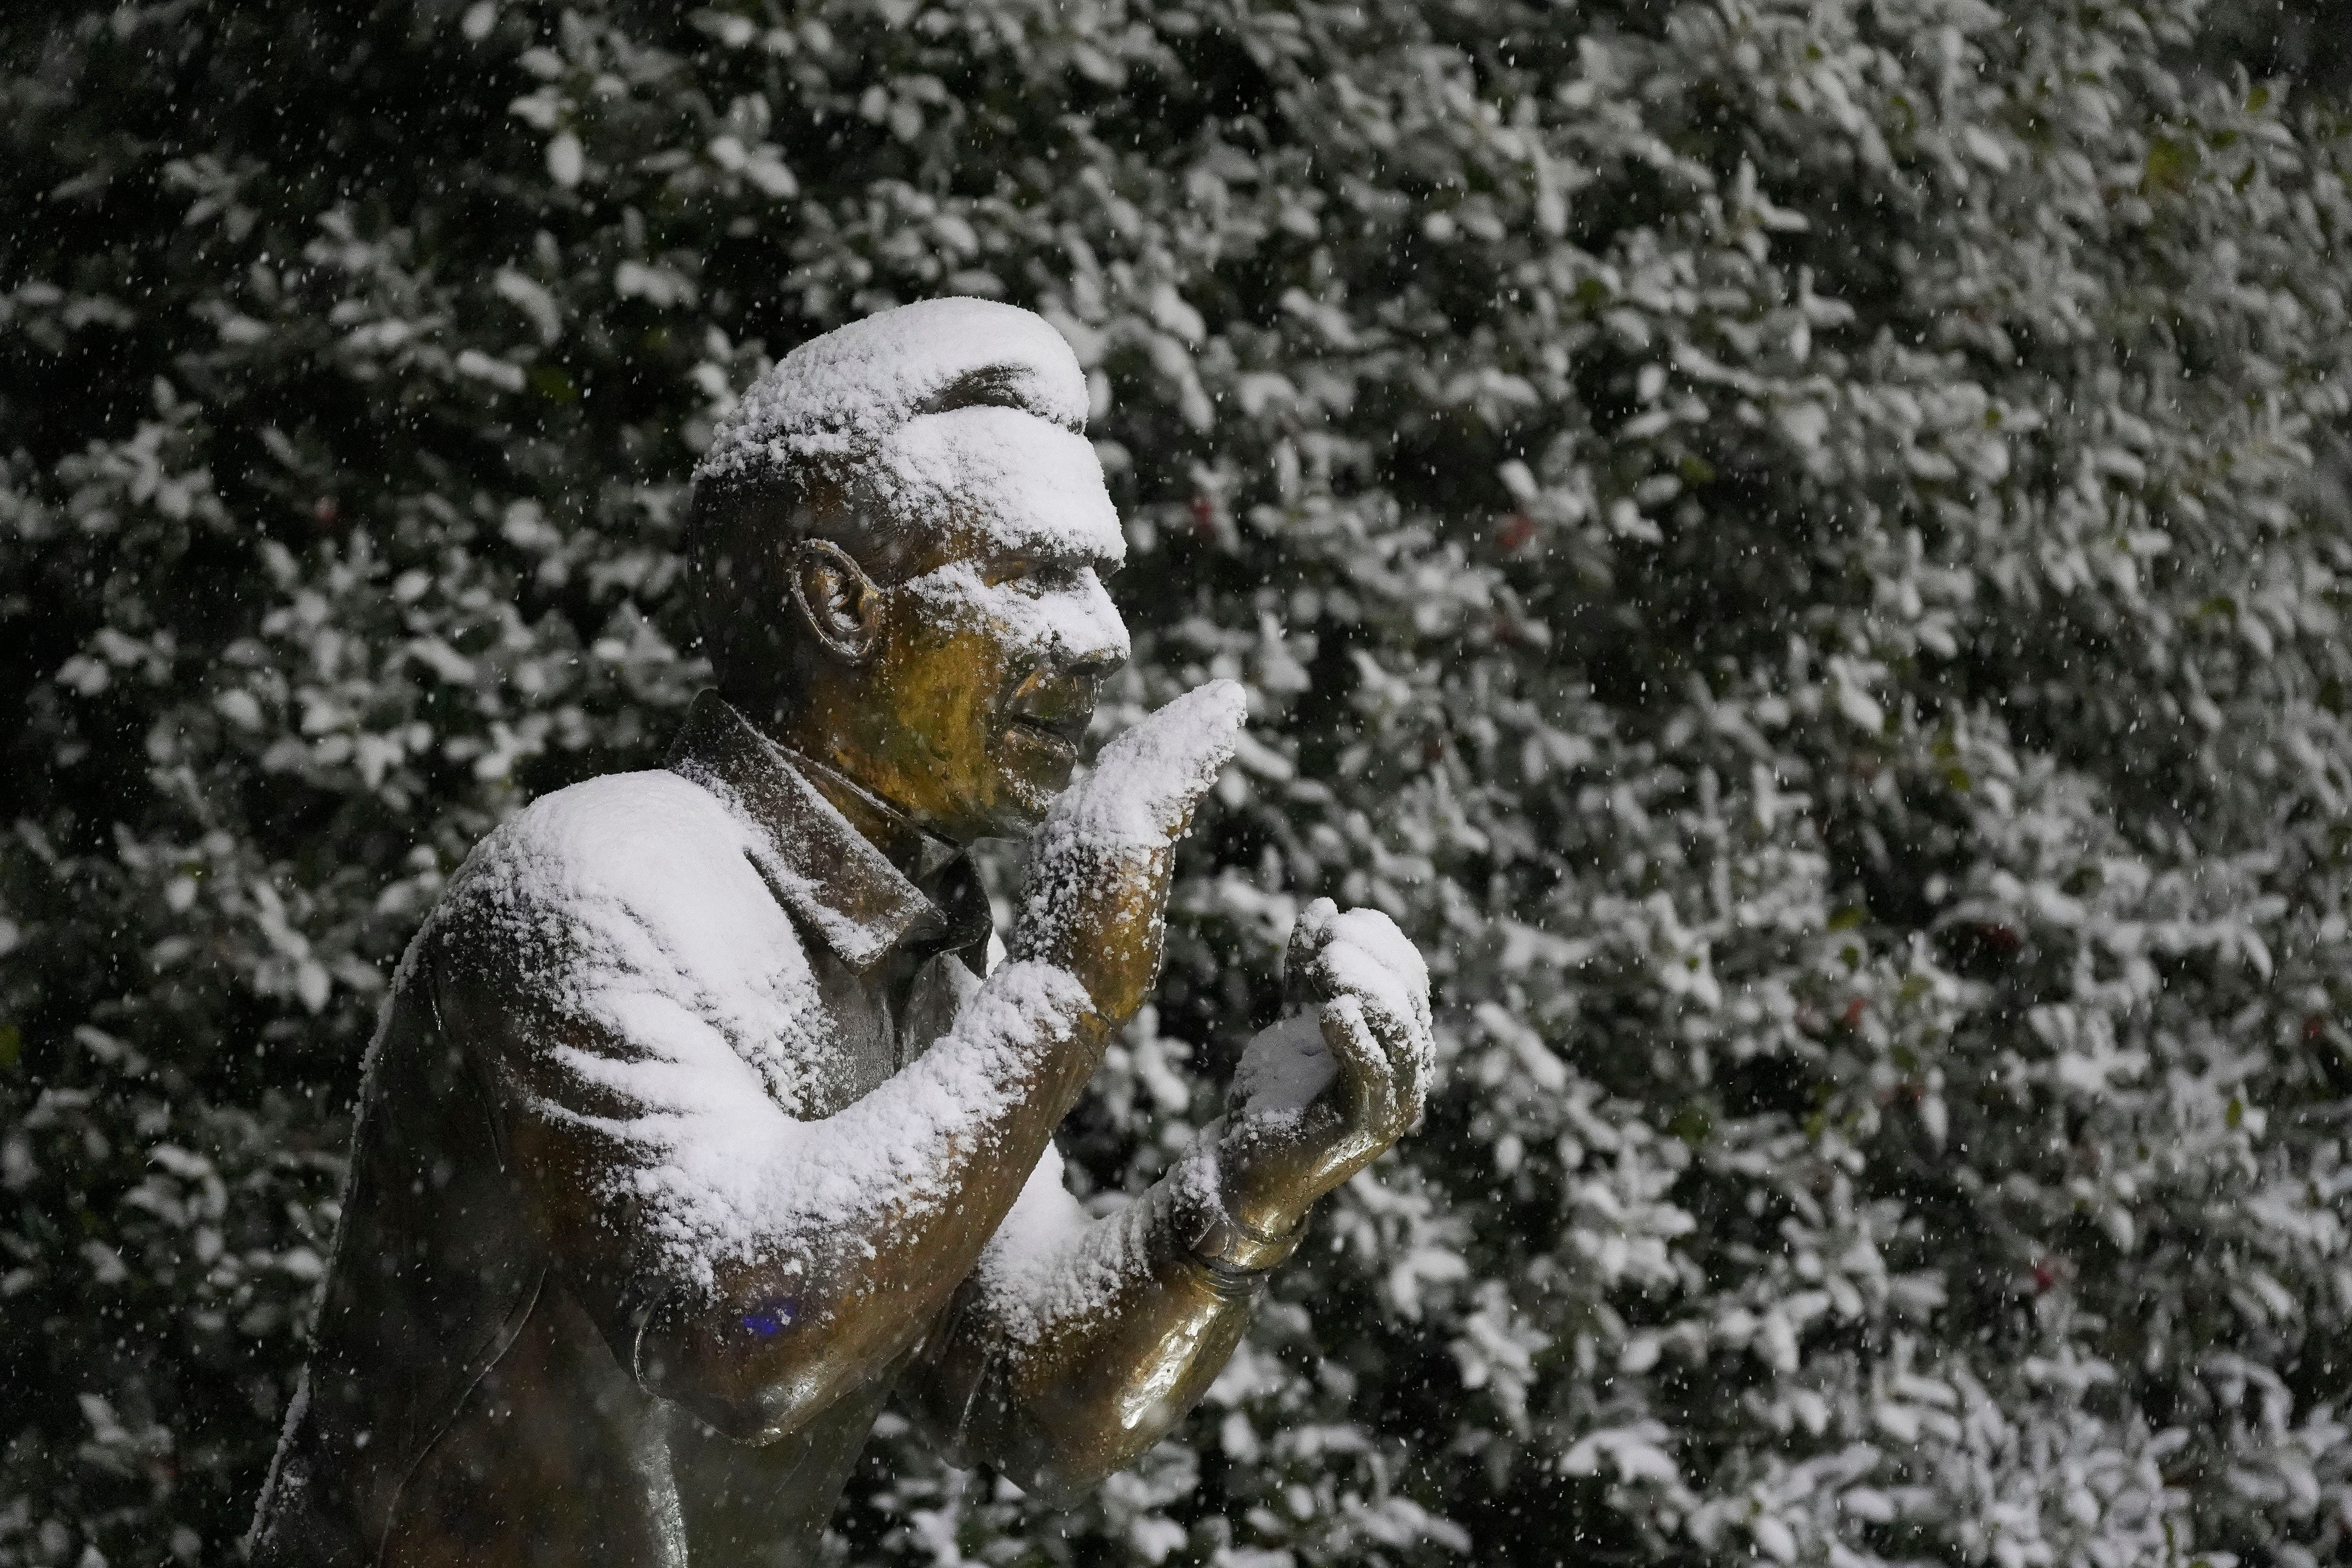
{"points": [[1064, 733], [1053, 709]]}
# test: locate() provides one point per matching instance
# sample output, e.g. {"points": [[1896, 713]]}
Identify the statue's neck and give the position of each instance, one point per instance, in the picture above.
{"points": [[919, 854]]}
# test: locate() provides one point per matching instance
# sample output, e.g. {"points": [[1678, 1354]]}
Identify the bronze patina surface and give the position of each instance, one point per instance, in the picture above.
{"points": [[521, 1360]]}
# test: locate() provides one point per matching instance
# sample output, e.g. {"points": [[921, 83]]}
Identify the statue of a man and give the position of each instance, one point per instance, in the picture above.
{"points": [[700, 1123]]}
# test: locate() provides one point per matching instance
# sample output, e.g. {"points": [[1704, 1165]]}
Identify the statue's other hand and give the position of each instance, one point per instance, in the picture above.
{"points": [[1325, 1092], [1097, 896]]}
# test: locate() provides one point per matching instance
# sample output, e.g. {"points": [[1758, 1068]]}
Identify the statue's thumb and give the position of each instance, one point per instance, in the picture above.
{"points": [[1146, 782]]}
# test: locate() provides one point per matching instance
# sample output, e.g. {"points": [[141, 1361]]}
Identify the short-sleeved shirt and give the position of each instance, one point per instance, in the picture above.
{"points": [[620, 968]]}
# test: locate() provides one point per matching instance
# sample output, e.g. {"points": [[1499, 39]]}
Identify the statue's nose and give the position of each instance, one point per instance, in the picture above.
{"points": [[1096, 665], [1096, 644]]}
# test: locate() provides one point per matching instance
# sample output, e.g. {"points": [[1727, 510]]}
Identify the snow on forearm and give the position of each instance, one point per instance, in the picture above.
{"points": [[1052, 1267], [737, 1181], [1050, 1262]]}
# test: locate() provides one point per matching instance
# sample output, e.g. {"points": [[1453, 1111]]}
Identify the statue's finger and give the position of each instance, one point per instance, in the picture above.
{"points": [[1407, 1044], [1301, 980], [1424, 1069], [1422, 1054], [1414, 1047], [1400, 1042], [1146, 781], [1362, 1061], [1367, 1070]]}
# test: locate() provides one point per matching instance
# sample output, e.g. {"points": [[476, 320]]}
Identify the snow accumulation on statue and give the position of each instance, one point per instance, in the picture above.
{"points": [[700, 1125]]}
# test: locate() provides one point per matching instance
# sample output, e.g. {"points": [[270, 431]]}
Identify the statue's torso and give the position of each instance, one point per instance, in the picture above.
{"points": [[463, 1405], [555, 1455]]}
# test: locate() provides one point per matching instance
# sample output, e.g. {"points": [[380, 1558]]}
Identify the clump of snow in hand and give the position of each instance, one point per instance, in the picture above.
{"points": [[1285, 1066], [1366, 964], [956, 411], [687, 1035]]}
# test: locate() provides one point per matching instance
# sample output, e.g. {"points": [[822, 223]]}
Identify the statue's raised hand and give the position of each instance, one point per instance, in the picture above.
{"points": [[1321, 1094], [1096, 897]]}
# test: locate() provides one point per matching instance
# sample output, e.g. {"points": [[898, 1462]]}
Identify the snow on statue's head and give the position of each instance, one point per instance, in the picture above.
{"points": [[932, 456]]}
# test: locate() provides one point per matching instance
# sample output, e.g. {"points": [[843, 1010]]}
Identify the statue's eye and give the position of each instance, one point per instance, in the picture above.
{"points": [[995, 387], [1033, 576]]}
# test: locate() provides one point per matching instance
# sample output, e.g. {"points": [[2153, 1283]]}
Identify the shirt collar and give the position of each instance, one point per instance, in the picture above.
{"points": [[823, 869]]}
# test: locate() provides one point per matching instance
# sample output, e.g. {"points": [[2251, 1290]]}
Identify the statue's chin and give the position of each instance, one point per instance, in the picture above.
{"points": [[1021, 809], [1033, 766]]}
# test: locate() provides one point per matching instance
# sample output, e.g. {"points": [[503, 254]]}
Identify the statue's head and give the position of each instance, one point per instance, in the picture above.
{"points": [[896, 547]]}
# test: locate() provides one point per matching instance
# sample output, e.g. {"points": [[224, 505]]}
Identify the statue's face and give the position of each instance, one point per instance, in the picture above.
{"points": [[984, 663]]}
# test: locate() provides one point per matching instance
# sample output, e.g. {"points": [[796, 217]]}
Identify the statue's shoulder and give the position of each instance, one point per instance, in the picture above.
{"points": [[606, 816], [648, 839]]}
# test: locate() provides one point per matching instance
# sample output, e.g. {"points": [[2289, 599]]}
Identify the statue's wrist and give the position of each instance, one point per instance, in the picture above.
{"points": [[1230, 1246], [1222, 1239]]}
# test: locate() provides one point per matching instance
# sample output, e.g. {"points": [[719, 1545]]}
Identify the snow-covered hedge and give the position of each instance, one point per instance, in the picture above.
{"points": [[1782, 539]]}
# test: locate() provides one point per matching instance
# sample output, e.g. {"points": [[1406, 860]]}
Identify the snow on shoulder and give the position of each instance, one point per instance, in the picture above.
{"points": [[957, 409], [635, 906]]}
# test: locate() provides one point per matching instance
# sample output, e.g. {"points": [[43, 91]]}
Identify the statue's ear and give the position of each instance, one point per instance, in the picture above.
{"points": [[843, 605]]}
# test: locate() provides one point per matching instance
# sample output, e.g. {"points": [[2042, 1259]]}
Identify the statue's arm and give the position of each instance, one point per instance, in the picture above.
{"points": [[743, 1263], [1077, 1344], [751, 1266]]}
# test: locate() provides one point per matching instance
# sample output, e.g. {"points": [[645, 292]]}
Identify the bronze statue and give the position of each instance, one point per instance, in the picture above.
{"points": [[700, 1124]]}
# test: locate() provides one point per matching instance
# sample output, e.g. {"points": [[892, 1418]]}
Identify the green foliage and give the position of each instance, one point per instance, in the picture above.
{"points": [[1782, 541]]}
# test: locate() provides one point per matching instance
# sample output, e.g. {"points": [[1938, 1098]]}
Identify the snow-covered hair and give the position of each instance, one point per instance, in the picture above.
{"points": [[954, 408], [841, 396]]}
